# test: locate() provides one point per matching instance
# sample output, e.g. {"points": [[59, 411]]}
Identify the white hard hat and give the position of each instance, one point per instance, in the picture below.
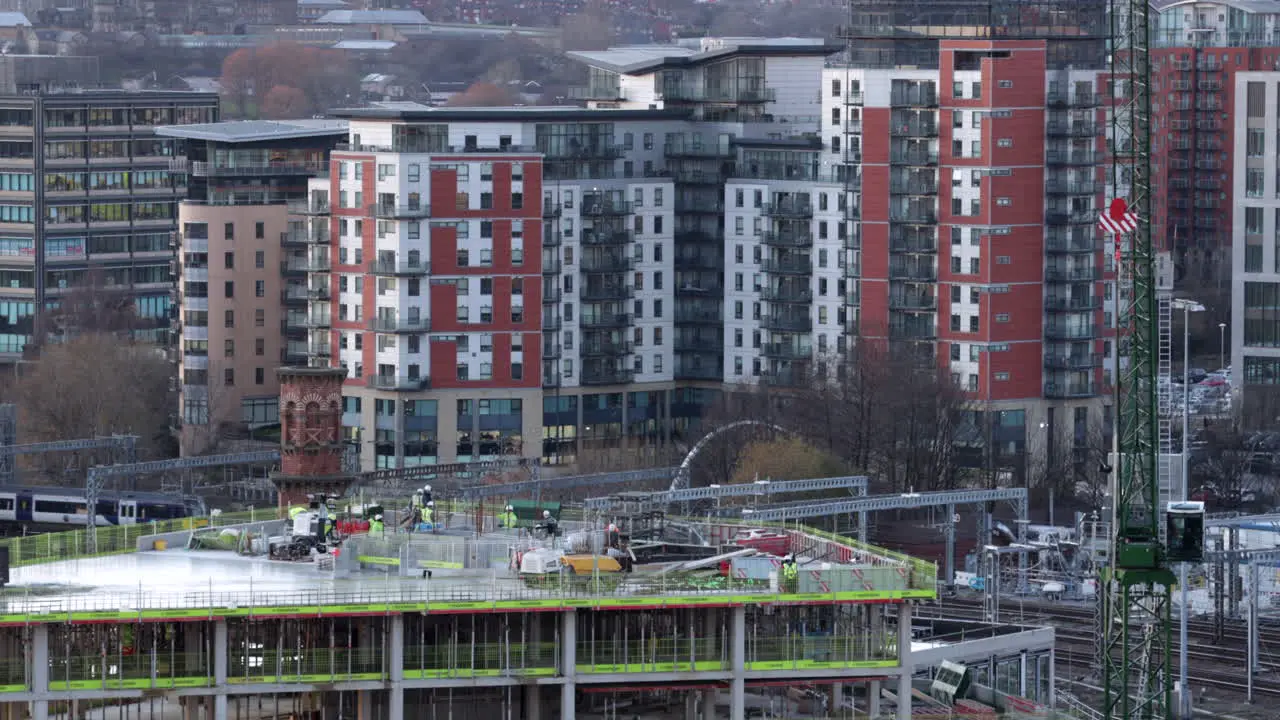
{"points": [[377, 517], [613, 528], [510, 507], [426, 488], [431, 503], [546, 513]]}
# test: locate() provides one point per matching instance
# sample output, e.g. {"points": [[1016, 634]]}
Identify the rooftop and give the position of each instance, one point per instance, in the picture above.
{"points": [[256, 130], [635, 59], [373, 17], [364, 45], [469, 573], [417, 112], [1249, 6], [14, 19]]}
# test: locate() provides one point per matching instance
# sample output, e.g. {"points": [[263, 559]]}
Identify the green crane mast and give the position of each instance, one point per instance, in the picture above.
{"points": [[1136, 587]]}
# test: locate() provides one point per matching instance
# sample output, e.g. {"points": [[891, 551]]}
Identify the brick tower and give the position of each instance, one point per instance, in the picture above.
{"points": [[310, 434]]}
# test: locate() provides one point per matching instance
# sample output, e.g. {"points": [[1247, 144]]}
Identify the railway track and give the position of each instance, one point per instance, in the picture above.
{"points": [[1217, 665]]}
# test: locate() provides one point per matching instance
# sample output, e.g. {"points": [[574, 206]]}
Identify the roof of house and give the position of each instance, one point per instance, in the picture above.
{"points": [[373, 17], [633, 59], [417, 112], [256, 130], [13, 19], [364, 45]]}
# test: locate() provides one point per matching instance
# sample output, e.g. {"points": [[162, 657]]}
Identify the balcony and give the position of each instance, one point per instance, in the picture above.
{"points": [[606, 376], [606, 263], [787, 323], [588, 152], [552, 266], [1069, 390], [1064, 217], [708, 343], [788, 209], [207, 169], [1072, 99], [397, 382], [913, 302], [802, 265], [913, 98], [1072, 304], [699, 261], [390, 211], [1079, 157], [785, 351], [315, 320], [700, 289], [681, 93], [1072, 129], [551, 296], [605, 292], [386, 324], [899, 156], [688, 316], [788, 239], [853, 98], [700, 372], [698, 237], [787, 293], [1078, 187], [607, 93], [1076, 274], [699, 205], [294, 293], [914, 215], [783, 378], [305, 265], [917, 273], [610, 348], [313, 235], [1070, 332], [689, 150], [391, 268], [318, 293], [1063, 244], [915, 186], [605, 237], [1073, 361], [604, 321], [916, 243], [320, 350], [552, 324], [602, 207], [313, 207], [914, 129], [915, 332]]}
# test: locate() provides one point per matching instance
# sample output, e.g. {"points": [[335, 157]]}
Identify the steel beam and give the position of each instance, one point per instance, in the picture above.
{"points": [[875, 503], [1238, 520], [428, 472], [122, 441], [98, 475], [763, 488], [569, 482]]}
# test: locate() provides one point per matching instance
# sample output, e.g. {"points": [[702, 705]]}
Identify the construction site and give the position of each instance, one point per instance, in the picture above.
{"points": [[495, 601]]}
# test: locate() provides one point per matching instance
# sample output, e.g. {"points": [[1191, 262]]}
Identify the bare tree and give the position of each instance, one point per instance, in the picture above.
{"points": [[98, 384], [215, 418]]}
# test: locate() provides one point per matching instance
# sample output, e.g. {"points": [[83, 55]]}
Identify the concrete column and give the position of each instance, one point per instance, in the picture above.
{"points": [[905, 666], [364, 643], [533, 693], [395, 668], [1052, 701], [691, 706], [40, 670], [738, 688], [711, 629], [836, 701], [873, 699], [220, 669], [568, 662]]}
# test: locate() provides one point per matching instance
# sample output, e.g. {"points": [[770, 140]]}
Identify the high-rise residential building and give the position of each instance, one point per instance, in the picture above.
{"points": [[977, 168], [88, 194], [241, 269], [1198, 48], [1255, 250]]}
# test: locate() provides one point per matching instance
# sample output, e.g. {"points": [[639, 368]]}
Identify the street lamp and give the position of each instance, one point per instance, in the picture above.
{"points": [[1222, 345], [1187, 307]]}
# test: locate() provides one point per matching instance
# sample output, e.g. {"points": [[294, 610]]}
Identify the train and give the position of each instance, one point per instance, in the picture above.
{"points": [[54, 508]]}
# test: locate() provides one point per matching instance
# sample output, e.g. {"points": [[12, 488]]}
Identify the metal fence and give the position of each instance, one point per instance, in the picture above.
{"points": [[114, 539]]}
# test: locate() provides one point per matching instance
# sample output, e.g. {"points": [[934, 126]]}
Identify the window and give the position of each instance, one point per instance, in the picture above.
{"points": [[229, 377], [229, 260], [259, 376], [229, 318], [259, 346], [229, 231], [259, 259], [260, 288], [229, 348], [259, 231], [229, 289], [517, 201]]}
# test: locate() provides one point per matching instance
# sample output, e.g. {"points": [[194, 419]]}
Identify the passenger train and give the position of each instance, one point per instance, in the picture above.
{"points": [[64, 508]]}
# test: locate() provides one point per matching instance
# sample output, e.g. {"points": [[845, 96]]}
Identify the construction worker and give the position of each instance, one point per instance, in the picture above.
{"points": [[375, 527], [790, 573], [507, 518], [428, 513], [549, 524], [426, 494], [295, 511]]}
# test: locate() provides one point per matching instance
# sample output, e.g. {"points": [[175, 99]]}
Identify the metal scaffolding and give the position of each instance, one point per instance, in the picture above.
{"points": [[126, 444], [98, 475], [569, 482], [761, 488], [909, 501]]}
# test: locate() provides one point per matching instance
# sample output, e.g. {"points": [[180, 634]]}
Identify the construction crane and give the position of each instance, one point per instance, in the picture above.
{"points": [[1137, 683]]}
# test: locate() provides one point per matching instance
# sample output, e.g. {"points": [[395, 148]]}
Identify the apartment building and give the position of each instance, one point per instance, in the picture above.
{"points": [[1198, 49], [1255, 249], [241, 265], [977, 172], [88, 194]]}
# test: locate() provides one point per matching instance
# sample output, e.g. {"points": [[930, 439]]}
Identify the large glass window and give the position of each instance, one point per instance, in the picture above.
{"points": [[16, 213], [16, 182], [1262, 314], [108, 181], [64, 182]]}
